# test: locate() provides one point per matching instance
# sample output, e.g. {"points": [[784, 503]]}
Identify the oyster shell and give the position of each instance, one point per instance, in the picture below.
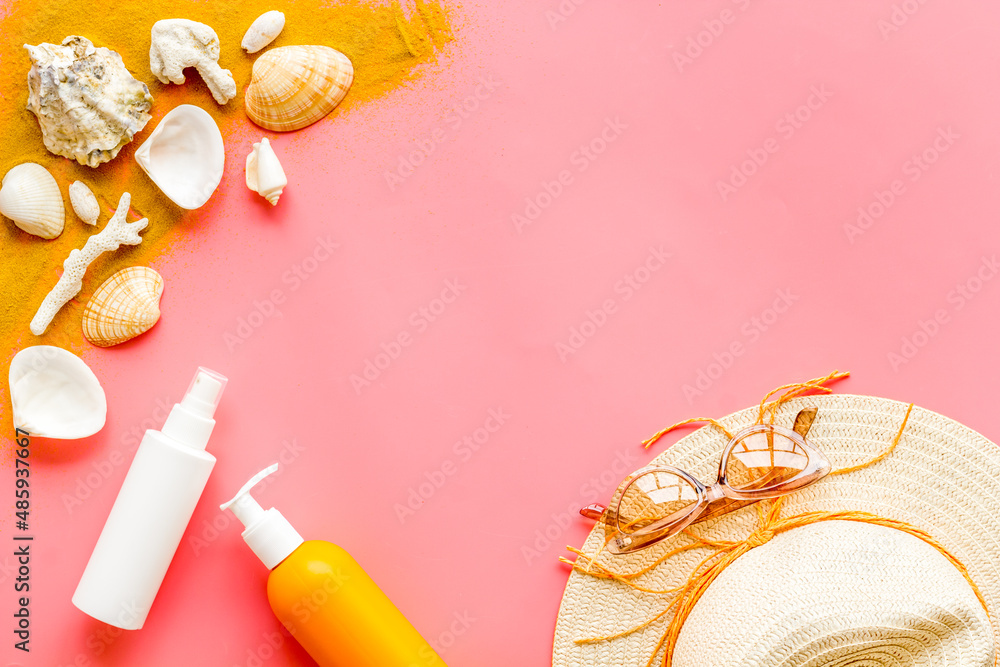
{"points": [[294, 86], [55, 395], [184, 156], [126, 305], [31, 198], [84, 202], [264, 173], [263, 31], [179, 43], [87, 103]]}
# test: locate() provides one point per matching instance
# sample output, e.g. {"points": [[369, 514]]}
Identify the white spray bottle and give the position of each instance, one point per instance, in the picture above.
{"points": [[154, 506]]}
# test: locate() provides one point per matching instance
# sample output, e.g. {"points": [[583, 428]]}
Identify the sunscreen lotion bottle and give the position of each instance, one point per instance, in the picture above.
{"points": [[324, 598], [148, 519]]}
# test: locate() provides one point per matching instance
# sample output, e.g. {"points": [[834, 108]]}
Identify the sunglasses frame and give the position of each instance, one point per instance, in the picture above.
{"points": [[715, 500]]}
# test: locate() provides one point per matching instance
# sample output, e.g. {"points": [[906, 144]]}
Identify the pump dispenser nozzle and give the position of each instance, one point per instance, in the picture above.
{"points": [[246, 509], [268, 533]]}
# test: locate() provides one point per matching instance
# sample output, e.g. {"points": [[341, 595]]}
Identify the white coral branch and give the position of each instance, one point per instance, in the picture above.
{"points": [[115, 234]]}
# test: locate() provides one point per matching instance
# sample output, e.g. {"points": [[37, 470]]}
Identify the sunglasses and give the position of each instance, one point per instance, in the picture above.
{"points": [[759, 462]]}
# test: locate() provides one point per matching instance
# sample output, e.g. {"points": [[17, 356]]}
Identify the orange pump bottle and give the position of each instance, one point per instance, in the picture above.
{"points": [[320, 593]]}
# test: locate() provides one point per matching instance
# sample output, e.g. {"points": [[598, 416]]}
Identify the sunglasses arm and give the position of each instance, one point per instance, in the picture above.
{"points": [[593, 512], [804, 421]]}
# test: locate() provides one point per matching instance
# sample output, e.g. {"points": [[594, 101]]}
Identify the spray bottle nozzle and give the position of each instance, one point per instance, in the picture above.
{"points": [[268, 533], [205, 392], [246, 509], [190, 422]]}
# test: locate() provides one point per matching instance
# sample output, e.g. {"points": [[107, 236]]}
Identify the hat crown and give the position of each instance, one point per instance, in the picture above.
{"points": [[838, 592]]}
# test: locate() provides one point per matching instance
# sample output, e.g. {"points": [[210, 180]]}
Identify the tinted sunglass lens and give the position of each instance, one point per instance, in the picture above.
{"points": [[764, 460], [657, 497]]}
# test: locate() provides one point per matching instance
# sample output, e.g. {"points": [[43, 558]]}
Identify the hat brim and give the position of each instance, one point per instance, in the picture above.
{"points": [[943, 477]]}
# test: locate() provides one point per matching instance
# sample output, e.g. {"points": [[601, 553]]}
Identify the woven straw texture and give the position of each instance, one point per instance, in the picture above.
{"points": [[838, 592], [941, 478]]}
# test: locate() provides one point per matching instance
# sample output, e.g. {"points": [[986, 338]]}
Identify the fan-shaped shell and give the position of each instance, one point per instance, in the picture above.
{"points": [[184, 156], [31, 198], [295, 86], [125, 305], [55, 395]]}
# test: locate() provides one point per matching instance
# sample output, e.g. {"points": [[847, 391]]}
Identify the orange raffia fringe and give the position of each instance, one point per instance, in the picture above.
{"points": [[769, 523], [766, 408]]}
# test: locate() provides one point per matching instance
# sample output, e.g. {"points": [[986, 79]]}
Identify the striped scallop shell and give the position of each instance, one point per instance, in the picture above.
{"points": [[125, 305], [295, 86]]}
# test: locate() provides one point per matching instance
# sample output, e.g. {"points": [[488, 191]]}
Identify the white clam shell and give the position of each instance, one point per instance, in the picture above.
{"points": [[55, 395], [263, 31], [264, 173], [84, 202], [31, 198], [184, 156]]}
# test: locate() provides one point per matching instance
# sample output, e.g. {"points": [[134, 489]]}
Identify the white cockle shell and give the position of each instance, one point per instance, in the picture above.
{"points": [[125, 305], [264, 173], [31, 198], [87, 103], [84, 202], [184, 156], [55, 395], [263, 31]]}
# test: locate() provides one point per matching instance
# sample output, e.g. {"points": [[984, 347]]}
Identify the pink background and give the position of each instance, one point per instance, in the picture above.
{"points": [[474, 566]]}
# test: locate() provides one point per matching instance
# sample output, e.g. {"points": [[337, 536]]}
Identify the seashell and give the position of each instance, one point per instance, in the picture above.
{"points": [[55, 395], [295, 86], [179, 43], [31, 198], [126, 305], [264, 173], [84, 202], [263, 31], [184, 156], [87, 103]]}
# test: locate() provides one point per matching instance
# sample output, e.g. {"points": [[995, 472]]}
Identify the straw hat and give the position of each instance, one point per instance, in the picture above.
{"points": [[830, 593]]}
